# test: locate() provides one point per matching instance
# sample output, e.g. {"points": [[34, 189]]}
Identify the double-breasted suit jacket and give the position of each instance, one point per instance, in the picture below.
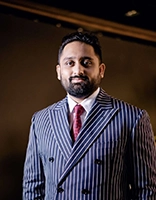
{"points": [[113, 158]]}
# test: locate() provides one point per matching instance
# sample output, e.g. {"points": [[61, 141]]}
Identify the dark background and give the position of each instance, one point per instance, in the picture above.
{"points": [[112, 10], [28, 82]]}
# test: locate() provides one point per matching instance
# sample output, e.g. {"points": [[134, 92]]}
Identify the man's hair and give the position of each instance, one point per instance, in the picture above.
{"points": [[85, 37]]}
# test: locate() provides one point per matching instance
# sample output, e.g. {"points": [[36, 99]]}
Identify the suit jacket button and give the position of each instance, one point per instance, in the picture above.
{"points": [[51, 159], [85, 191], [97, 161], [60, 190]]}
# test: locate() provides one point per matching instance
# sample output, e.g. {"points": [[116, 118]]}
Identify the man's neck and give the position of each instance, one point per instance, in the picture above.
{"points": [[79, 100]]}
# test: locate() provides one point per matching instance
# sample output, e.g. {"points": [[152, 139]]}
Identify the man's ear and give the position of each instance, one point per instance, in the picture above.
{"points": [[102, 69], [58, 71]]}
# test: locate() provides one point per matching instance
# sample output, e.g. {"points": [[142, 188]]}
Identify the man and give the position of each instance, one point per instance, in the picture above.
{"points": [[113, 156]]}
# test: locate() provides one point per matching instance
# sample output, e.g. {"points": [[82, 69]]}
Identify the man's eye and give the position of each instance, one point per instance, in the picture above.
{"points": [[69, 63], [86, 63]]}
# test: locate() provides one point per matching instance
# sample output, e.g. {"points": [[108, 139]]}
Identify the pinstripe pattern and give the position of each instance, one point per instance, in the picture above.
{"points": [[115, 148]]}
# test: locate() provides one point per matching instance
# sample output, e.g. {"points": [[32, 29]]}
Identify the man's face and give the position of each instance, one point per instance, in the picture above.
{"points": [[79, 70]]}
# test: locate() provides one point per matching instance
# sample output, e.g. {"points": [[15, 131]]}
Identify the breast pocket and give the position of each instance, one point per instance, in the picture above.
{"points": [[110, 144]]}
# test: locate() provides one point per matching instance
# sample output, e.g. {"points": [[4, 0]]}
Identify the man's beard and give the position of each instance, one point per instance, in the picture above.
{"points": [[81, 89]]}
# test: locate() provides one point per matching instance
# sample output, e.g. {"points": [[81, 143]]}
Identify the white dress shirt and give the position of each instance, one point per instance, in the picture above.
{"points": [[86, 103]]}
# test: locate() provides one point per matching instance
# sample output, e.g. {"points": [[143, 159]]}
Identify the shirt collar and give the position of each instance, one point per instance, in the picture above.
{"points": [[86, 103]]}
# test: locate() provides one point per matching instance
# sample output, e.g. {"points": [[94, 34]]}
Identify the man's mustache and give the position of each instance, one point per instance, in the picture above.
{"points": [[85, 78]]}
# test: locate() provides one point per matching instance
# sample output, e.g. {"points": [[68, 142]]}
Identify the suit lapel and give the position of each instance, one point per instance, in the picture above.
{"points": [[99, 116], [60, 125]]}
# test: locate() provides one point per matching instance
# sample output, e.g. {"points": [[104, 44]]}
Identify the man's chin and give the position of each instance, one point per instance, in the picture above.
{"points": [[79, 96], [78, 93]]}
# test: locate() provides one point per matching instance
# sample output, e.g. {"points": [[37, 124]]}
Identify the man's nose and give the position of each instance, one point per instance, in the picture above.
{"points": [[78, 69]]}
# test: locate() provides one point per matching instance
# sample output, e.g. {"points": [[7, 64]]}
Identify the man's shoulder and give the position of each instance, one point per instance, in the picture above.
{"points": [[125, 104], [116, 102], [44, 111]]}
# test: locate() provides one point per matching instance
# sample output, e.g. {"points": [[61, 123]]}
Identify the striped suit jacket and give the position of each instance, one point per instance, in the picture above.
{"points": [[114, 157]]}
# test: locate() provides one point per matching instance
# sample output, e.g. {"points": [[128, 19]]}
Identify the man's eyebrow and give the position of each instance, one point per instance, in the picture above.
{"points": [[73, 57], [69, 58], [87, 57]]}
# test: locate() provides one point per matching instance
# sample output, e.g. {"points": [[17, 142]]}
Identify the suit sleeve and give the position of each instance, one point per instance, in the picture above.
{"points": [[143, 159], [33, 178]]}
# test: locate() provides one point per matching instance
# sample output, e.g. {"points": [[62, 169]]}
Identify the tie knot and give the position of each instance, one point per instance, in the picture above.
{"points": [[78, 109]]}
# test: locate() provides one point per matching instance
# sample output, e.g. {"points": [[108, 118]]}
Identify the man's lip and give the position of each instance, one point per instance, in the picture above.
{"points": [[77, 80]]}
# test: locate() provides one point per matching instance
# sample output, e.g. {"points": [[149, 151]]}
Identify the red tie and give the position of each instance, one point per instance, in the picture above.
{"points": [[78, 109]]}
